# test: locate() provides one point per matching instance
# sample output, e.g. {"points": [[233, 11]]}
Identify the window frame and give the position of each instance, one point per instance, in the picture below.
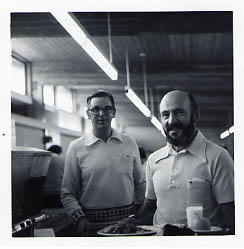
{"points": [[46, 106], [56, 99], [27, 98]]}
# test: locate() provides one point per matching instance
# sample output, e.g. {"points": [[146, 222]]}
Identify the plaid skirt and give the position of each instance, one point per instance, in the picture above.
{"points": [[109, 214]]}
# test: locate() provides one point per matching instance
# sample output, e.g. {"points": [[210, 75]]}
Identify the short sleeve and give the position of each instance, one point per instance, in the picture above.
{"points": [[223, 180], [150, 192], [138, 176]]}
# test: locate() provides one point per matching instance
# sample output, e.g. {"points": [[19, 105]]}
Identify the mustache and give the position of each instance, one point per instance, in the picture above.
{"points": [[187, 136], [175, 126]]}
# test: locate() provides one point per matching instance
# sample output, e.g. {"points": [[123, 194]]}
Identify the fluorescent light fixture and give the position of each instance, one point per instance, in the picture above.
{"points": [[224, 134], [227, 132], [156, 123], [137, 102], [82, 38], [231, 129]]}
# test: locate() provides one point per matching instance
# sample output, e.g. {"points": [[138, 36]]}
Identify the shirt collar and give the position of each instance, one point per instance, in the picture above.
{"points": [[90, 138], [197, 148], [116, 135]]}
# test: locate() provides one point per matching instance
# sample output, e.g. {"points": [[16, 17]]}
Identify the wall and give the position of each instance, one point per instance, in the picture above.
{"points": [[62, 119], [27, 136], [36, 116], [152, 139], [65, 141], [213, 134], [69, 121]]}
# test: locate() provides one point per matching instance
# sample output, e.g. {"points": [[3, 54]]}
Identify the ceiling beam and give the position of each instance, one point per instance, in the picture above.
{"points": [[161, 81], [124, 23]]}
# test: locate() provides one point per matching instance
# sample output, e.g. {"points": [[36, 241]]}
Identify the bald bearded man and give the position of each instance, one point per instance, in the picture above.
{"points": [[188, 155]]}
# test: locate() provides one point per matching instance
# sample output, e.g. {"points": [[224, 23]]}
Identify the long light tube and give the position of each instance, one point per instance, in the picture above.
{"points": [[231, 129], [138, 103], [227, 132], [224, 134], [156, 123], [81, 37]]}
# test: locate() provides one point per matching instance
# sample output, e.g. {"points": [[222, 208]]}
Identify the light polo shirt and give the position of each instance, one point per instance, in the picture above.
{"points": [[168, 173], [102, 175]]}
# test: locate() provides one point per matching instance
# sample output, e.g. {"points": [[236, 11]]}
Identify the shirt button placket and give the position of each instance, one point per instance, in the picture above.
{"points": [[172, 183], [172, 176]]}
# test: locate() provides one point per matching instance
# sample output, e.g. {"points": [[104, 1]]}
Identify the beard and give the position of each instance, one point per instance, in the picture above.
{"points": [[187, 135]]}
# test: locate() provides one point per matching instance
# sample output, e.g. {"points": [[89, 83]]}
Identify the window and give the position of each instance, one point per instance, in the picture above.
{"points": [[48, 95], [18, 76], [64, 99]]}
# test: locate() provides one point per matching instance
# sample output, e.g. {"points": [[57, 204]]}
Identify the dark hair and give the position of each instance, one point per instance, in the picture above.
{"points": [[195, 110], [55, 149], [101, 93]]}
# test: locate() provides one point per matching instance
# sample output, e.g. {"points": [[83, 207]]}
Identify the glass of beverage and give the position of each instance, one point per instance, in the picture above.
{"points": [[192, 213]]}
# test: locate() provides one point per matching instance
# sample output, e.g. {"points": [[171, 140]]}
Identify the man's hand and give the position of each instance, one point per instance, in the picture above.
{"points": [[228, 217], [83, 226], [146, 212]]}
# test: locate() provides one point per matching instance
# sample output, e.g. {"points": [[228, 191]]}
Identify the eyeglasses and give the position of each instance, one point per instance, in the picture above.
{"points": [[96, 110]]}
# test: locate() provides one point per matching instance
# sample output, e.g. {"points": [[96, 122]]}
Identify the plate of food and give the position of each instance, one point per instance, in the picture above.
{"points": [[125, 227]]}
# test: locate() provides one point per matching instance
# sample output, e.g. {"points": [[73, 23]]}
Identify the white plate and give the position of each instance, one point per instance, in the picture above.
{"points": [[213, 230]]}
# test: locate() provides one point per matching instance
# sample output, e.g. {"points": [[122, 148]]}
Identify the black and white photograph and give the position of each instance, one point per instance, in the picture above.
{"points": [[123, 127]]}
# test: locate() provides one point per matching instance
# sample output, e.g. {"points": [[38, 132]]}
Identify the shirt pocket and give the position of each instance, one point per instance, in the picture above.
{"points": [[198, 191], [125, 163]]}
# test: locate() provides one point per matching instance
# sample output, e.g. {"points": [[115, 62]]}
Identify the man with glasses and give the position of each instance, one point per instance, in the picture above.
{"points": [[103, 178]]}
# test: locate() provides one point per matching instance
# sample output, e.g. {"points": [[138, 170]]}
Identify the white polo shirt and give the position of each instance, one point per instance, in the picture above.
{"points": [[168, 173], [102, 175]]}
